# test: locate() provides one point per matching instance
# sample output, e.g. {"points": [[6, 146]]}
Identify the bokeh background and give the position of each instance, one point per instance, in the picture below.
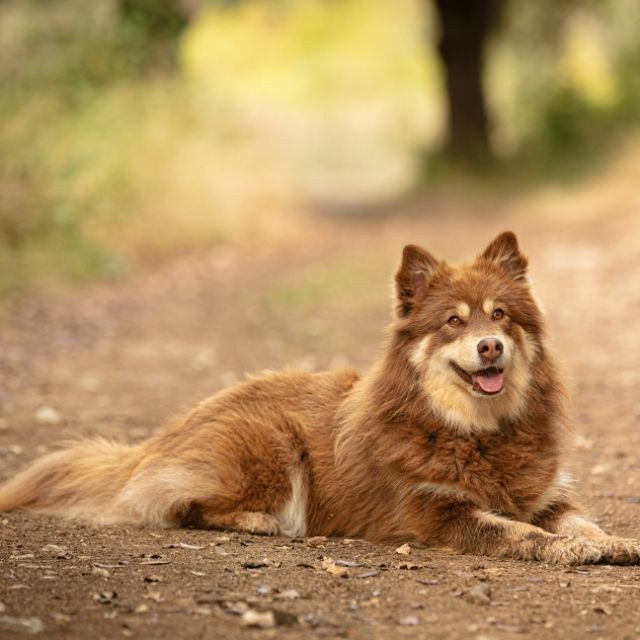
{"points": [[194, 190], [133, 131]]}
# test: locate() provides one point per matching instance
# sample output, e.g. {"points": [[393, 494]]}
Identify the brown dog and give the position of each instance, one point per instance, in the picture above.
{"points": [[454, 438]]}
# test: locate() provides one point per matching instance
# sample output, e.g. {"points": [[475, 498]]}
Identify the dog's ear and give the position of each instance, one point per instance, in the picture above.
{"points": [[412, 278], [504, 251]]}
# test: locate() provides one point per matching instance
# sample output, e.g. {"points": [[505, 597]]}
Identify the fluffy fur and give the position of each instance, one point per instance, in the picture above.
{"points": [[442, 442]]}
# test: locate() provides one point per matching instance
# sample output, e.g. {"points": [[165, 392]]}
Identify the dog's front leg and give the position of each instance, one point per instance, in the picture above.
{"points": [[564, 518], [466, 527]]}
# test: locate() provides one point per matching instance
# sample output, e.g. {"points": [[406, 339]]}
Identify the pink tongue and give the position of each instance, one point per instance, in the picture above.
{"points": [[489, 384]]}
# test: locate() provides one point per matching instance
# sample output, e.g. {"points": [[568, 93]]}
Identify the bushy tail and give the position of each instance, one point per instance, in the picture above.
{"points": [[81, 482]]}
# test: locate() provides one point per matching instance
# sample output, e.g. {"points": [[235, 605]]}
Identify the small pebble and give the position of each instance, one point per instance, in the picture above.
{"points": [[48, 415], [24, 625]]}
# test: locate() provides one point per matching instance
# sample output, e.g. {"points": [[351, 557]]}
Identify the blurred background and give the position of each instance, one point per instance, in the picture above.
{"points": [[191, 190], [133, 131]]}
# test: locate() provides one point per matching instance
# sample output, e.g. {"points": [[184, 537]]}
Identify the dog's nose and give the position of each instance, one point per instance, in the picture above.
{"points": [[490, 349]]}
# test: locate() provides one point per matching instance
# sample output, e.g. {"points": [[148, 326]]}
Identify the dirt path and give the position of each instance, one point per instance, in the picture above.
{"points": [[118, 360]]}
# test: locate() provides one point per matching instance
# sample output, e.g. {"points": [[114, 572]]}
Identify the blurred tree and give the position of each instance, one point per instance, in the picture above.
{"points": [[158, 19], [465, 27], [155, 25]]}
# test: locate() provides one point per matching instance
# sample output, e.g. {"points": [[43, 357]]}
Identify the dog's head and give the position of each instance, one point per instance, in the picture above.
{"points": [[471, 333]]}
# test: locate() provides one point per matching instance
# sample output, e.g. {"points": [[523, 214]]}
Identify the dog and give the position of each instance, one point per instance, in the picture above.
{"points": [[454, 439]]}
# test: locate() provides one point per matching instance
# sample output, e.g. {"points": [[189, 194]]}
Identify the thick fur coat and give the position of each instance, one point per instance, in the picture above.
{"points": [[455, 438]]}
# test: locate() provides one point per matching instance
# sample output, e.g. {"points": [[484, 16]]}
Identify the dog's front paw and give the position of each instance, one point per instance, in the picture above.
{"points": [[571, 551], [619, 550], [261, 524], [580, 550]]}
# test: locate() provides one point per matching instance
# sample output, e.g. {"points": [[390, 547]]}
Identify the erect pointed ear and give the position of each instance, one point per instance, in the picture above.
{"points": [[412, 278], [504, 252]]}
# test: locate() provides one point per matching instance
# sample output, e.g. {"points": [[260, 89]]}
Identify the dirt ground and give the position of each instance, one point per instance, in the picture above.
{"points": [[117, 360]]}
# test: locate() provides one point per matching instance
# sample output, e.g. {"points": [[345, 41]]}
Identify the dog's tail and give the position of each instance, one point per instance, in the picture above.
{"points": [[82, 481]]}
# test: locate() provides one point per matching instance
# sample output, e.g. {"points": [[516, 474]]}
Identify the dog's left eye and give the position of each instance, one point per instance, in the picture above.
{"points": [[454, 321], [498, 314]]}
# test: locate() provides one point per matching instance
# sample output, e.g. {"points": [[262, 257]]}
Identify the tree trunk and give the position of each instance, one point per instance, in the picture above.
{"points": [[465, 28]]}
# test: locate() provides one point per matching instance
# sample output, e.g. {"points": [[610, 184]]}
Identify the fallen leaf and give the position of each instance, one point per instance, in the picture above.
{"points": [[61, 618], [348, 563], [331, 567], [404, 550], [260, 619], [408, 621], [104, 565], [287, 594], [238, 607], [105, 597], [255, 564], [56, 551], [267, 619], [316, 541], [183, 545], [602, 609], [156, 596], [154, 577], [99, 571]]}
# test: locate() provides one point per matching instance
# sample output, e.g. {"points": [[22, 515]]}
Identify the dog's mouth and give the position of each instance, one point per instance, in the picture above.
{"points": [[487, 381]]}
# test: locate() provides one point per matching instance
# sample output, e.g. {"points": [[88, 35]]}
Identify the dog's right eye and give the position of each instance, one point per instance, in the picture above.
{"points": [[454, 321]]}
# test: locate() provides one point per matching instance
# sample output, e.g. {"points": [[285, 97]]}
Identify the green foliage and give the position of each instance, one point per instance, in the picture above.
{"points": [[565, 83], [127, 135], [66, 118], [566, 130]]}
